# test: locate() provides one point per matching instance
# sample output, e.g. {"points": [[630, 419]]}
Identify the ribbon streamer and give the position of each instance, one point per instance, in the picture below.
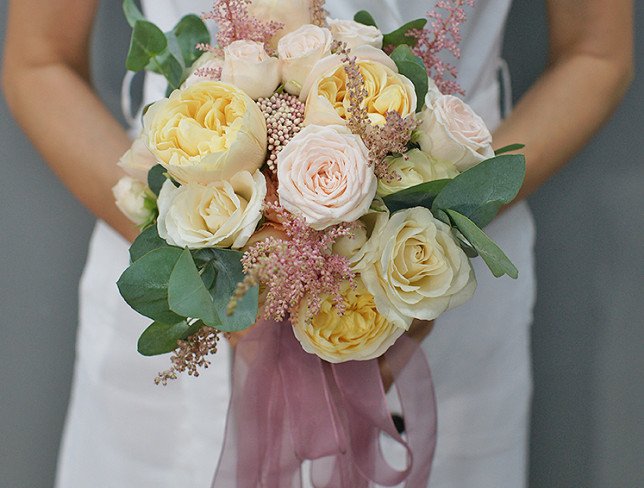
{"points": [[288, 407]]}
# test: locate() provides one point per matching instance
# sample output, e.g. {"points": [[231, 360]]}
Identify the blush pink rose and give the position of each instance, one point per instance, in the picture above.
{"points": [[324, 175]]}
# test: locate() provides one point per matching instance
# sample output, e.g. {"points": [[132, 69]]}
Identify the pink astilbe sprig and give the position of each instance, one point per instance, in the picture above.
{"points": [[318, 13], [235, 23], [302, 267], [382, 140], [191, 354], [209, 73], [442, 35]]}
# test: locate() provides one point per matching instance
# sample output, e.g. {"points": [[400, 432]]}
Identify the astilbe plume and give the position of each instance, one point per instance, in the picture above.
{"points": [[191, 354], [442, 35], [209, 73], [381, 140], [235, 23], [284, 116], [318, 13], [297, 269]]}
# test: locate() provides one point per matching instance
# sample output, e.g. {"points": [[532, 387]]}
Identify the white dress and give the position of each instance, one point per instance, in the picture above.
{"points": [[123, 431]]}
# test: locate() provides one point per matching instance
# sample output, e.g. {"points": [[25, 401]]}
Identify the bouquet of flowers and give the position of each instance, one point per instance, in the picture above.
{"points": [[320, 181]]}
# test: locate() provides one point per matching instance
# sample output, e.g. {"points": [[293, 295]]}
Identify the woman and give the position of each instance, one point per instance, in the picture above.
{"points": [[123, 431]]}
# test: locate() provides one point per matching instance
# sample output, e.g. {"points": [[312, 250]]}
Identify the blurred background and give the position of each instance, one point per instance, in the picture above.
{"points": [[588, 334]]}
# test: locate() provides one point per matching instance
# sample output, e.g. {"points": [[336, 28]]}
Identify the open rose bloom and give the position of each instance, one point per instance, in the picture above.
{"points": [[306, 179]]}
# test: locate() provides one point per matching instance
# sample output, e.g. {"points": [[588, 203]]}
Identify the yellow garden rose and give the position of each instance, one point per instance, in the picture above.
{"points": [[387, 90], [360, 334], [206, 132]]}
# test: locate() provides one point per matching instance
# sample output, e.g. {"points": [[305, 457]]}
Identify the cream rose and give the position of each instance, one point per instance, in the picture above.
{"points": [[362, 333], [299, 51], [135, 200], [324, 175], [222, 214], [205, 69], [418, 271], [291, 13], [328, 100], [138, 160], [355, 34], [413, 168], [451, 131], [349, 246], [248, 66], [207, 132]]}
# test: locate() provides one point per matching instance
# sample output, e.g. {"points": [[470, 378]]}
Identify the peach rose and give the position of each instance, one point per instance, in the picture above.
{"points": [[324, 175], [248, 66]]}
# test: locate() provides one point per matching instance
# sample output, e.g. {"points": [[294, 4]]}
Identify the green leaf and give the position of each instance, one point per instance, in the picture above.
{"points": [[187, 294], [227, 264], [413, 68], [144, 285], [365, 18], [167, 65], [156, 178], [492, 254], [422, 195], [189, 32], [481, 191], [132, 12], [147, 241], [162, 338], [400, 37], [510, 148], [147, 42]]}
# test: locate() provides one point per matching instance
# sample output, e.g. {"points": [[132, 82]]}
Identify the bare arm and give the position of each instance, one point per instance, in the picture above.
{"points": [[47, 86], [591, 66]]}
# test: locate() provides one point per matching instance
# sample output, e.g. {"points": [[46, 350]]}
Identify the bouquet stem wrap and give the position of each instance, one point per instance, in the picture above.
{"points": [[288, 406]]}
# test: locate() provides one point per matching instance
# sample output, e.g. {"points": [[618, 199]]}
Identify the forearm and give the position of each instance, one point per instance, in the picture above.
{"points": [[74, 132]]}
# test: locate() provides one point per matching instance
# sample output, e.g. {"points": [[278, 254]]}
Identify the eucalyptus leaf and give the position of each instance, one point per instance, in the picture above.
{"points": [[492, 254], [156, 178], [422, 195], [167, 65], [401, 37], [187, 294], [147, 241], [144, 285], [189, 32], [412, 67], [160, 338], [227, 264], [365, 18], [147, 42], [132, 12], [481, 191], [510, 148]]}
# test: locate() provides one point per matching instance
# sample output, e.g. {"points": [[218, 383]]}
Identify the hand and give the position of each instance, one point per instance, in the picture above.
{"points": [[418, 331]]}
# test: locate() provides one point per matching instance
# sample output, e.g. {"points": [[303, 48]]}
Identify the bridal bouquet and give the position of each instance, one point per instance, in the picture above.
{"points": [[310, 175]]}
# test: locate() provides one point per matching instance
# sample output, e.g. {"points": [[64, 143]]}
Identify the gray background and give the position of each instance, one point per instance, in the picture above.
{"points": [[588, 427]]}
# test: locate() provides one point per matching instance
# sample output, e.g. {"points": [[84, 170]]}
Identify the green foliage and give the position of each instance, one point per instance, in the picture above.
{"points": [[422, 195], [400, 36], [170, 54], [162, 338], [147, 241], [481, 191], [493, 256], [365, 18], [156, 178], [510, 148], [413, 68]]}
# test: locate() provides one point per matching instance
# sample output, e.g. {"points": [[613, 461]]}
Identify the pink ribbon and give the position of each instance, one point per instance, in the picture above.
{"points": [[288, 406]]}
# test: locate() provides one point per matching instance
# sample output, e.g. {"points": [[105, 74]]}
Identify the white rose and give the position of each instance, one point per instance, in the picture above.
{"points": [[291, 13], [419, 271], [324, 175], [222, 214], [299, 51], [135, 200], [349, 246], [205, 69], [451, 131], [413, 168], [138, 160], [355, 34], [248, 66], [359, 335]]}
